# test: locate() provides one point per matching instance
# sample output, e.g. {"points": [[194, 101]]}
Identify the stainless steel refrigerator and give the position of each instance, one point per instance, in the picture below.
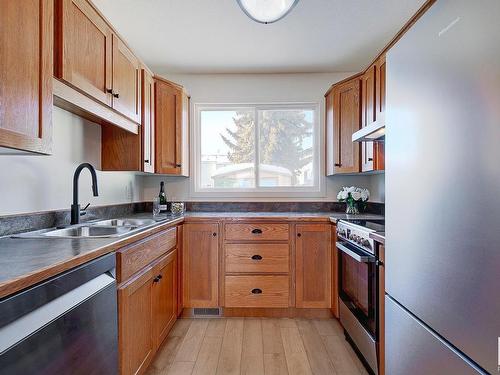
{"points": [[443, 193]]}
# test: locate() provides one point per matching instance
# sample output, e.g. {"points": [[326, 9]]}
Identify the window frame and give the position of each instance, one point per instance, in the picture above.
{"points": [[317, 190]]}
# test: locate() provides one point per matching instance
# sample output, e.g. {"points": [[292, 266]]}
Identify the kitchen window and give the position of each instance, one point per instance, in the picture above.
{"points": [[245, 150]]}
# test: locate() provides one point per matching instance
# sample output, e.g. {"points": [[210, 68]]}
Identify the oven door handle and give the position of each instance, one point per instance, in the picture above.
{"points": [[358, 255]]}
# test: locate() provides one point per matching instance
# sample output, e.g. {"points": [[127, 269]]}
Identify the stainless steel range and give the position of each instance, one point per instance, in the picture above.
{"points": [[358, 286]]}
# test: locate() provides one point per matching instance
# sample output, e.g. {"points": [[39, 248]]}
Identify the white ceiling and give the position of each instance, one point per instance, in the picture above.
{"points": [[215, 36]]}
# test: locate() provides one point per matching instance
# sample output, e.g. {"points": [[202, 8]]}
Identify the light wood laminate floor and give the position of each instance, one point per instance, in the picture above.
{"points": [[259, 346]]}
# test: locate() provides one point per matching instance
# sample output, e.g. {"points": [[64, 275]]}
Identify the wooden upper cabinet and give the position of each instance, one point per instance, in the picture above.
{"points": [[201, 264], [380, 87], [330, 141], [379, 149], [171, 124], [135, 320], [368, 115], [26, 75], [125, 151], [83, 54], [342, 120], [164, 296], [148, 122], [126, 81], [313, 251]]}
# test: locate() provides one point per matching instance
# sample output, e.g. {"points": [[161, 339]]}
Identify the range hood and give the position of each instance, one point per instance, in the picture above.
{"points": [[375, 132]]}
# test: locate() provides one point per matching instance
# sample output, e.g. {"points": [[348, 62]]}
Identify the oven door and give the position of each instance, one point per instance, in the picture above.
{"points": [[358, 284]]}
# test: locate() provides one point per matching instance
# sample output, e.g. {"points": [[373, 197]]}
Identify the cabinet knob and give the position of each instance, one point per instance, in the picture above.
{"points": [[257, 257], [146, 161], [370, 159], [299, 234], [109, 91], [116, 95], [257, 231], [214, 234], [338, 164], [256, 291], [178, 165], [156, 279]]}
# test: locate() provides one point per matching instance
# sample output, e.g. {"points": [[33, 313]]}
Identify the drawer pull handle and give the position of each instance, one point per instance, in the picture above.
{"points": [[257, 257], [256, 291], [257, 231]]}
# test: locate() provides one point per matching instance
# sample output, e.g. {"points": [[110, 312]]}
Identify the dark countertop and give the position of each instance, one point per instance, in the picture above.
{"points": [[28, 261], [289, 216], [378, 237]]}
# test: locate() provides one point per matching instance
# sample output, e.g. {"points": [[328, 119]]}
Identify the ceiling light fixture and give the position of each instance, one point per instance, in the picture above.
{"points": [[267, 11]]}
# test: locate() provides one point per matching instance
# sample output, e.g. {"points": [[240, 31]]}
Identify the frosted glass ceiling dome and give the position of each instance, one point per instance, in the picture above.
{"points": [[267, 11]]}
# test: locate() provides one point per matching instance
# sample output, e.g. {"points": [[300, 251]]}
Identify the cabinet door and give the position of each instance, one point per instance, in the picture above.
{"points": [[381, 307], [26, 75], [379, 149], [135, 338], [169, 101], [126, 81], [201, 265], [164, 296], [368, 115], [313, 265], [148, 122], [347, 121], [84, 48], [332, 157], [335, 273]]}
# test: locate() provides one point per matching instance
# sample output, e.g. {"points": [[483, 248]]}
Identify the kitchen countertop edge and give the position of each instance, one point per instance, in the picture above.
{"points": [[16, 284]]}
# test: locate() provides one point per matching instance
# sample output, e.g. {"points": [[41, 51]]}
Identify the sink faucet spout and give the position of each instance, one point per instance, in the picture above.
{"points": [[75, 207]]}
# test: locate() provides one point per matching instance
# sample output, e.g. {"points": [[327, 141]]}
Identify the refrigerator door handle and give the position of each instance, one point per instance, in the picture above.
{"points": [[358, 255]]}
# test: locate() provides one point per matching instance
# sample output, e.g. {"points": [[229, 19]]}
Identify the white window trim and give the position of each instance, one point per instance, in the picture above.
{"points": [[316, 191]]}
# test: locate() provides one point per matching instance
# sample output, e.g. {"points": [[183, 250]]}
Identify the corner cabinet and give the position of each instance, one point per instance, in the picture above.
{"points": [[172, 128], [26, 76], [200, 265], [313, 252], [125, 151], [342, 120]]}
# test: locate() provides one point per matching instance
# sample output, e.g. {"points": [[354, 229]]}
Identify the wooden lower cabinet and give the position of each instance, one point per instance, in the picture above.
{"points": [[200, 265], [313, 251], [147, 272], [381, 307], [164, 295], [135, 320]]}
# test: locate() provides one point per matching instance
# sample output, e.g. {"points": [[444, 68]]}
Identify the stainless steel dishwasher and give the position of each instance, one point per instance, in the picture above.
{"points": [[65, 325]]}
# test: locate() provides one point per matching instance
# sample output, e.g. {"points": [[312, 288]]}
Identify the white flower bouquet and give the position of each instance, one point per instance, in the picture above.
{"points": [[353, 196]]}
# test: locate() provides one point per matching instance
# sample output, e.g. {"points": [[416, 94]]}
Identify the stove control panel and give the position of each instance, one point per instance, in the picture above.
{"points": [[357, 235]]}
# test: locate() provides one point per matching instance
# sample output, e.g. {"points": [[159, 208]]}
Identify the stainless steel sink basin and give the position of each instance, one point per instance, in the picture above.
{"points": [[98, 229], [124, 222], [94, 231]]}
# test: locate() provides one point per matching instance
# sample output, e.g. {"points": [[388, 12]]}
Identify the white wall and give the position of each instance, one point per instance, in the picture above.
{"points": [[32, 183], [260, 88]]}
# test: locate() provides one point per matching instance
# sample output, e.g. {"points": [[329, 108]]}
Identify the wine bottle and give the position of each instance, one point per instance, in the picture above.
{"points": [[163, 199]]}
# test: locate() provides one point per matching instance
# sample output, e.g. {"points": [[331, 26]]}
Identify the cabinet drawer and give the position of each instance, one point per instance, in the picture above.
{"points": [[134, 257], [258, 258], [256, 291], [257, 232]]}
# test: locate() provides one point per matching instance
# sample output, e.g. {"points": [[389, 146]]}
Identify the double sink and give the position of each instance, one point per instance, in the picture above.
{"points": [[99, 229]]}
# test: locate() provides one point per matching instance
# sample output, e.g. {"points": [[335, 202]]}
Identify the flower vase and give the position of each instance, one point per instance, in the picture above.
{"points": [[352, 208]]}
